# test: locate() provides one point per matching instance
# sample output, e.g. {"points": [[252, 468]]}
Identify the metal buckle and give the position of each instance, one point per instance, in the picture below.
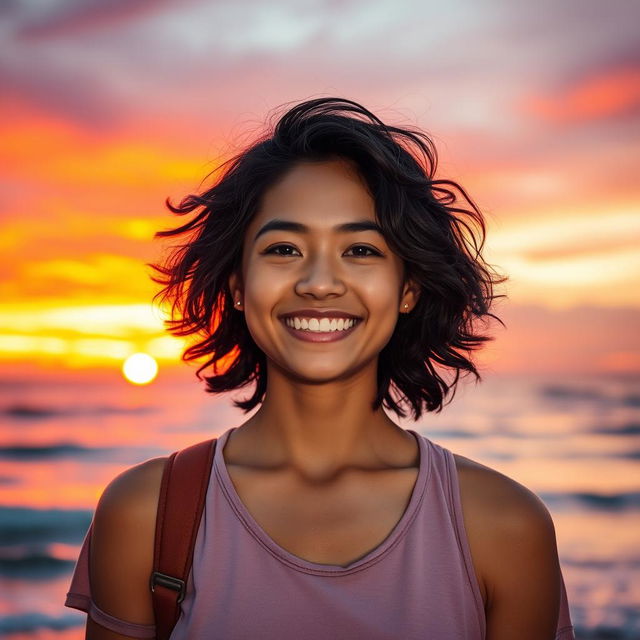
{"points": [[169, 582]]}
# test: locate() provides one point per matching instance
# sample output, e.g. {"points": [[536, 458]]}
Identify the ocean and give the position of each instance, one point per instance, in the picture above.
{"points": [[575, 441]]}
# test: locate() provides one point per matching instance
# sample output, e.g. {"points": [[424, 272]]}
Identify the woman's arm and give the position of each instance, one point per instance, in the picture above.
{"points": [[524, 584], [513, 545], [121, 555]]}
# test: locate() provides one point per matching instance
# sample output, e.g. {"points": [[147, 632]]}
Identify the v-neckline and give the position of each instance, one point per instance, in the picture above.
{"points": [[296, 562]]}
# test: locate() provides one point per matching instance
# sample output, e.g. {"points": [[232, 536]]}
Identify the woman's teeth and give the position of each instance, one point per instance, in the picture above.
{"points": [[323, 325]]}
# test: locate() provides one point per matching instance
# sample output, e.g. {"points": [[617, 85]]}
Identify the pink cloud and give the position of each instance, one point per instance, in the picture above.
{"points": [[615, 92], [575, 340]]}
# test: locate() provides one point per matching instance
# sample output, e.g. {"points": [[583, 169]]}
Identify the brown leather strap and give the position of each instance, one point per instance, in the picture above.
{"points": [[182, 495]]}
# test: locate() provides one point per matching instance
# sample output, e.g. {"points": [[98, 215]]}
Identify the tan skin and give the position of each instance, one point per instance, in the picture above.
{"points": [[326, 477]]}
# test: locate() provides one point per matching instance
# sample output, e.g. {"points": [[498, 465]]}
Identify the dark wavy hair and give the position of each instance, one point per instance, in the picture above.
{"points": [[423, 220]]}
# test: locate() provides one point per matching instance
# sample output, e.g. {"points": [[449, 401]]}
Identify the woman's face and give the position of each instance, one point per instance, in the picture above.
{"points": [[318, 266]]}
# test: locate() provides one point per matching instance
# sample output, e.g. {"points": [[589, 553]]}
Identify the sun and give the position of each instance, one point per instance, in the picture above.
{"points": [[140, 368]]}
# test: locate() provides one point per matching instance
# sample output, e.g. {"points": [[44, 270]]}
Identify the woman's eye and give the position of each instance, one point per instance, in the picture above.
{"points": [[277, 250], [280, 246], [366, 248]]}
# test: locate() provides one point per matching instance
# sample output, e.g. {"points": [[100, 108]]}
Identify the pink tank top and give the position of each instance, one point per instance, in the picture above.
{"points": [[418, 583]]}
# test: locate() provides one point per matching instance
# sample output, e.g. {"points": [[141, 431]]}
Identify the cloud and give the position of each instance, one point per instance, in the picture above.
{"points": [[104, 277], [609, 94], [99, 63], [610, 247], [558, 232], [578, 339], [71, 18], [76, 95]]}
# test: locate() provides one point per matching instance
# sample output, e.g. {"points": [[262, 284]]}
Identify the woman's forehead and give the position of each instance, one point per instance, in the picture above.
{"points": [[317, 196]]}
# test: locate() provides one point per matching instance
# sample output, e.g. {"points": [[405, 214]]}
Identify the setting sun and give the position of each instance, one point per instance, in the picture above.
{"points": [[140, 368]]}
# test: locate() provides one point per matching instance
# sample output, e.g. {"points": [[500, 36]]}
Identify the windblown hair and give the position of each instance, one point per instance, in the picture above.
{"points": [[423, 220]]}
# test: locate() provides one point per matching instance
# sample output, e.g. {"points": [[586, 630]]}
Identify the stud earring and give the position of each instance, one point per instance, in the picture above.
{"points": [[238, 303]]}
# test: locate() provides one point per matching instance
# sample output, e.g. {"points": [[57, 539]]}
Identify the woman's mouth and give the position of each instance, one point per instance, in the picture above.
{"points": [[320, 330]]}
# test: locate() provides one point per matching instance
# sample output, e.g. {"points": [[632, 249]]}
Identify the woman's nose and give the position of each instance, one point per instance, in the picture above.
{"points": [[321, 277]]}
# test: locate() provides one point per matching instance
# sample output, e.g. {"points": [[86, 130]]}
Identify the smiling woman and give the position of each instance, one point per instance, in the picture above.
{"points": [[328, 265], [335, 262]]}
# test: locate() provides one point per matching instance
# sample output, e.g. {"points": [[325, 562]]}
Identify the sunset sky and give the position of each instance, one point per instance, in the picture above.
{"points": [[107, 108]]}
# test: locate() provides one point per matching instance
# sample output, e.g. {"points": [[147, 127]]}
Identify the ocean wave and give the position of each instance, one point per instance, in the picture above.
{"points": [[627, 429], [602, 632], [565, 392], [630, 455], [629, 501], [31, 411], [23, 525], [631, 400], [33, 621], [602, 564], [451, 433], [60, 450], [35, 566], [590, 394]]}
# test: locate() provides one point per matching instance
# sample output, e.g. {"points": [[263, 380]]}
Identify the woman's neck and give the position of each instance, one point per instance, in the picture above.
{"points": [[319, 431]]}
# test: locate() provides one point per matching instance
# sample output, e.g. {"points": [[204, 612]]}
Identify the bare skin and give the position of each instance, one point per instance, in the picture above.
{"points": [[334, 521], [322, 473]]}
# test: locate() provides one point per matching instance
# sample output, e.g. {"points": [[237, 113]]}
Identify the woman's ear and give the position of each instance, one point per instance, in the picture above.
{"points": [[235, 287], [410, 296]]}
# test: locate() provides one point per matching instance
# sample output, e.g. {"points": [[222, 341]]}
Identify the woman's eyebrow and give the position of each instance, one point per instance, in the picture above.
{"points": [[346, 227]]}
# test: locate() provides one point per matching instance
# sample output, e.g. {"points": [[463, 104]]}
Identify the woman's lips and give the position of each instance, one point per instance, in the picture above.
{"points": [[320, 336]]}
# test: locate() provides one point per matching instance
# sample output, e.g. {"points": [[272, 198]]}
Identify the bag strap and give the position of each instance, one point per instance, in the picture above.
{"points": [[183, 490]]}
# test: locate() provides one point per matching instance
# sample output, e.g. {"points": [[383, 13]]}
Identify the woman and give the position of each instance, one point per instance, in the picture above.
{"points": [[331, 268]]}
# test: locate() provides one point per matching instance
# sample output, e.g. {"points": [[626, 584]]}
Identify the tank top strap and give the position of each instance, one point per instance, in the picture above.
{"points": [[445, 470]]}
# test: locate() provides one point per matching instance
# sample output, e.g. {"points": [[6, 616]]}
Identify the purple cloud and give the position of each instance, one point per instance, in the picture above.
{"points": [[72, 18]]}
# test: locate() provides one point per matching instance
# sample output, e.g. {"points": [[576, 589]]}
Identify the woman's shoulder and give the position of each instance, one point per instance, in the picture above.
{"points": [[134, 490], [490, 494], [509, 529], [121, 550]]}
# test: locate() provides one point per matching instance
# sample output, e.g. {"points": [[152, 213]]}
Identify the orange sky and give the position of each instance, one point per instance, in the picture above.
{"points": [[107, 110]]}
